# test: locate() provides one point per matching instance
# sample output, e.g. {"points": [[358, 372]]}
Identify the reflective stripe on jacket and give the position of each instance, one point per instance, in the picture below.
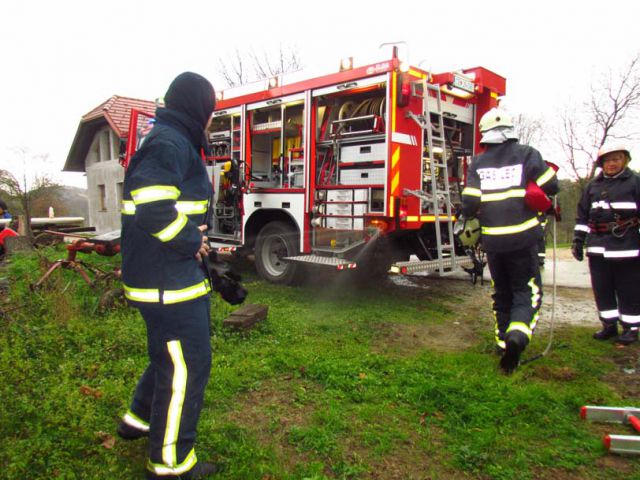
{"points": [[165, 198], [495, 190], [611, 201]]}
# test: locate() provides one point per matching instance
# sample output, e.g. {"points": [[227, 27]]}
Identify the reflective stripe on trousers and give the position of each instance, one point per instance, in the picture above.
{"points": [[174, 382], [517, 290]]}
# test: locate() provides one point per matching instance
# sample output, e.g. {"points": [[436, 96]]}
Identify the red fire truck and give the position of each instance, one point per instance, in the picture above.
{"points": [[359, 168]]}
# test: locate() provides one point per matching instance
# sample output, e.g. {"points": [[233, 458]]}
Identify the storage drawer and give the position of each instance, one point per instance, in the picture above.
{"points": [[339, 209], [359, 209], [344, 223], [339, 195], [361, 195], [363, 153], [339, 223], [362, 176]]}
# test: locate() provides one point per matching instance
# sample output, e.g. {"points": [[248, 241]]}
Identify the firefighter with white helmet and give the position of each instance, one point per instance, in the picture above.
{"points": [[607, 222], [506, 187]]}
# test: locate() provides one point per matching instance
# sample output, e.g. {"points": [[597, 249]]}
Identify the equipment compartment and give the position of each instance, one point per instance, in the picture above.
{"points": [[363, 153], [362, 176]]}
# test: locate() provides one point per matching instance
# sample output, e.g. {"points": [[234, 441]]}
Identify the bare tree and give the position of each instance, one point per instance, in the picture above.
{"points": [[530, 130], [246, 67], [611, 113], [233, 70], [26, 187]]}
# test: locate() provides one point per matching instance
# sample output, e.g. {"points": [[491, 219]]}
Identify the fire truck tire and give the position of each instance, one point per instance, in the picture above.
{"points": [[275, 241]]}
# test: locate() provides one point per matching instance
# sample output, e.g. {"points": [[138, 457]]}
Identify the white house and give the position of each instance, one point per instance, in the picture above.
{"points": [[96, 148]]}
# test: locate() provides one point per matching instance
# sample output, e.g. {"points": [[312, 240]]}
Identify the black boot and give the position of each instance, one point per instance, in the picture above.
{"points": [[627, 337], [516, 342], [203, 470], [609, 330], [128, 432]]}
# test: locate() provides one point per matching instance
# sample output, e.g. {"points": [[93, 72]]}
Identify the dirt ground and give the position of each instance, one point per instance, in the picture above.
{"points": [[573, 303], [471, 305]]}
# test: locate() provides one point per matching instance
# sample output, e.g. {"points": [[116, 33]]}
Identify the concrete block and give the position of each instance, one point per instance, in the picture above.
{"points": [[246, 317]]}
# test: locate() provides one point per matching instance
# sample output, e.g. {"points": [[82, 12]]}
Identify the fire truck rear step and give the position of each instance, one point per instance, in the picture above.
{"points": [[337, 263], [429, 266]]}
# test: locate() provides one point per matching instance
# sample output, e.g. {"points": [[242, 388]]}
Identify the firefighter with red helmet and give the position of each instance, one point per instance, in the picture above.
{"points": [[506, 187], [607, 222]]}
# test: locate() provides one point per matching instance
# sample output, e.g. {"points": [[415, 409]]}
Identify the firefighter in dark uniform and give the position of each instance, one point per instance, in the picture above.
{"points": [[166, 199], [504, 188], [607, 222]]}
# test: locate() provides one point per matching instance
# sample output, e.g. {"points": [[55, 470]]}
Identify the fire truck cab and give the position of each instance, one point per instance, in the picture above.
{"points": [[361, 168]]}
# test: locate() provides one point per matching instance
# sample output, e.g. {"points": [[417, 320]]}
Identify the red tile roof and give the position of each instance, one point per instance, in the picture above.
{"points": [[116, 113], [117, 110]]}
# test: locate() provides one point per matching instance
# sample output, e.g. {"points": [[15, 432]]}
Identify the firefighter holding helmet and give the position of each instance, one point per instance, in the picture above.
{"points": [[506, 187], [607, 222]]}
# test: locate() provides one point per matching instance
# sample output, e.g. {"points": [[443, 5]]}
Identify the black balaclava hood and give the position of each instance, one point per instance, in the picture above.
{"points": [[193, 95]]}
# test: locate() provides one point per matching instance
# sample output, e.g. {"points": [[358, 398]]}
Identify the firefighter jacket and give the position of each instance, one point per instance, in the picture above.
{"points": [[608, 216], [495, 191], [166, 197]]}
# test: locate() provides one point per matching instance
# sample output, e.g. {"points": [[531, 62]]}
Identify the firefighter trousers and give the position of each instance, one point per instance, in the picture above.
{"points": [[616, 288], [170, 393], [517, 293]]}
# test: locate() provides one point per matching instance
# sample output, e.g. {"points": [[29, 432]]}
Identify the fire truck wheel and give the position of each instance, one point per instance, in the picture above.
{"points": [[275, 241]]}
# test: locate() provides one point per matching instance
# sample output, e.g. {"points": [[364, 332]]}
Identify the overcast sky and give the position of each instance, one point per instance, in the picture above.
{"points": [[61, 59]]}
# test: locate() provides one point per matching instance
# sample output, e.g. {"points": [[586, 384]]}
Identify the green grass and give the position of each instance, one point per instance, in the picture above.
{"points": [[306, 395]]}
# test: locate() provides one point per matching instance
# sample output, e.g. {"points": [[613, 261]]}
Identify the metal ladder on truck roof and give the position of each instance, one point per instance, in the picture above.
{"points": [[439, 199]]}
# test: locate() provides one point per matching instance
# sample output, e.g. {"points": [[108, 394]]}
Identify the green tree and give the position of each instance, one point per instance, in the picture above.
{"points": [[27, 183]]}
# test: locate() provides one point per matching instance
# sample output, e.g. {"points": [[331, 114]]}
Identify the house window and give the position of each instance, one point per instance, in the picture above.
{"points": [[105, 146], [120, 194], [95, 150], [102, 198]]}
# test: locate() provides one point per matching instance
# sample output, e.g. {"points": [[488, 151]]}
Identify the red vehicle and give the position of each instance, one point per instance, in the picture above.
{"points": [[360, 168]]}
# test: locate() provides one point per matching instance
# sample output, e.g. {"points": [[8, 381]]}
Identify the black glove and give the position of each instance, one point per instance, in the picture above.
{"points": [[225, 281], [577, 248]]}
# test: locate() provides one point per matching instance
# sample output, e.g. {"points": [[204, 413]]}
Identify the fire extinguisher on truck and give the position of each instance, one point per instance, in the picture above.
{"points": [[361, 168]]}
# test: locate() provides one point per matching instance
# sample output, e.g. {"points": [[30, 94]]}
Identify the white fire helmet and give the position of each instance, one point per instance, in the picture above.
{"points": [[611, 147], [495, 118]]}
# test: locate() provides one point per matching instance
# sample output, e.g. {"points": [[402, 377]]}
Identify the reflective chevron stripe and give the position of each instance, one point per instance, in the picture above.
{"points": [[172, 229], [494, 197], [155, 193], [545, 177], [509, 229], [472, 192]]}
